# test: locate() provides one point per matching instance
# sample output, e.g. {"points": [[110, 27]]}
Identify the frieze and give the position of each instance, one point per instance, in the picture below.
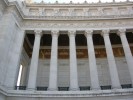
{"points": [[93, 17], [100, 24]]}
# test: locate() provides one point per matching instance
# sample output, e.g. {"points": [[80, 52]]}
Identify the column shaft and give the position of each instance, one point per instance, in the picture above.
{"points": [[92, 62], [53, 62], [34, 62], [127, 51], [73, 62], [111, 60]]}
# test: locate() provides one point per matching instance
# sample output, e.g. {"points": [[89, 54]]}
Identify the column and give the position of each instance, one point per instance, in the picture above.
{"points": [[127, 51], [92, 61], [53, 62], [34, 61], [111, 60], [73, 62]]}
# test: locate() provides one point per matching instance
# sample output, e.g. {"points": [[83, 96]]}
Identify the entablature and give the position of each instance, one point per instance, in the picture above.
{"points": [[85, 11], [100, 9], [78, 25]]}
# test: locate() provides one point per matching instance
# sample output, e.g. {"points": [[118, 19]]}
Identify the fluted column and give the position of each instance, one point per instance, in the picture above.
{"points": [[53, 62], [92, 61], [34, 61], [127, 51], [73, 62], [111, 60]]}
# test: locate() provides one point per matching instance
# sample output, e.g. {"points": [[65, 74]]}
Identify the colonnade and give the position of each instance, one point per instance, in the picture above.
{"points": [[115, 81]]}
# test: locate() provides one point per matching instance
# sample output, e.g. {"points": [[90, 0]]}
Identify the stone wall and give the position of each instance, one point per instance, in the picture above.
{"points": [[2, 97], [2, 8], [83, 72]]}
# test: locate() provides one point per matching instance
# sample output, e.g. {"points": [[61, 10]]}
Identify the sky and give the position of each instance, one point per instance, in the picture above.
{"points": [[75, 1]]}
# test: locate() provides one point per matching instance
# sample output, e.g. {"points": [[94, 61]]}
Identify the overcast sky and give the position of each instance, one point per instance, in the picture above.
{"points": [[76, 1]]}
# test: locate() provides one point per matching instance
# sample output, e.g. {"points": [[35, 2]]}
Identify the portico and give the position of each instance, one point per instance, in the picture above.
{"points": [[66, 51], [72, 56]]}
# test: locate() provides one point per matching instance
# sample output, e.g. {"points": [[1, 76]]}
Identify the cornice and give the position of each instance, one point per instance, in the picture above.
{"points": [[18, 8], [75, 18], [6, 1], [79, 4], [78, 18]]}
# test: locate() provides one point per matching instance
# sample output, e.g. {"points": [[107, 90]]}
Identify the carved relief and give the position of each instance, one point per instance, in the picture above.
{"points": [[79, 12], [64, 12], [122, 10], [94, 12], [91, 24], [34, 12], [107, 11], [81, 53], [100, 53], [56, 12], [49, 12]]}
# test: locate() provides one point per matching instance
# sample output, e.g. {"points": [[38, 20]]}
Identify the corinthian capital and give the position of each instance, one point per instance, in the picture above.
{"points": [[88, 32], [55, 32], [105, 32], [121, 31], [38, 32], [71, 32]]}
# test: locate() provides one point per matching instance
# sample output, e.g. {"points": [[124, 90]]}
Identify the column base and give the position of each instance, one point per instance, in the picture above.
{"points": [[95, 89], [74, 89], [52, 89], [31, 89], [117, 87]]}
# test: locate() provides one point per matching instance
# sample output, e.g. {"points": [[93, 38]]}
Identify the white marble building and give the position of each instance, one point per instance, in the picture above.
{"points": [[67, 51]]}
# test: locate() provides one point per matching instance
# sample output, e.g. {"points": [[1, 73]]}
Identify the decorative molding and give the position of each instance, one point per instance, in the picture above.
{"points": [[83, 3], [105, 32], [26, 16], [75, 18], [85, 25]]}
